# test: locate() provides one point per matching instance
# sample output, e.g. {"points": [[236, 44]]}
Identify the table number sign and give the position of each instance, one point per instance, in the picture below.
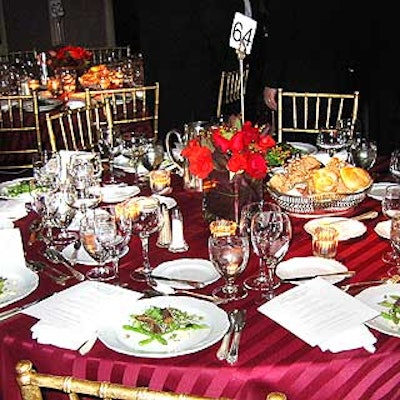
{"points": [[242, 32]]}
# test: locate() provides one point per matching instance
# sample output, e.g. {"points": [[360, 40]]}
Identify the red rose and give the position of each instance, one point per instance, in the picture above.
{"points": [[238, 162], [266, 142], [256, 165], [201, 163]]}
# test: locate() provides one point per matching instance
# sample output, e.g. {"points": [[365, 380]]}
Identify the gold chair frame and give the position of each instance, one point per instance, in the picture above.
{"points": [[328, 109], [135, 104], [12, 56], [100, 54], [78, 126], [230, 88], [31, 382], [13, 121]]}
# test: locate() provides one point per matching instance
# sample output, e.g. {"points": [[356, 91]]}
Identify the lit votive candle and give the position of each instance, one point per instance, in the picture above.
{"points": [[325, 241], [159, 180], [222, 227]]}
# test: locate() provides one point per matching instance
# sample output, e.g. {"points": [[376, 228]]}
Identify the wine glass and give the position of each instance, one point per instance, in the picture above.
{"points": [[109, 145], [332, 140], [271, 232], [394, 166], [260, 280], [134, 147], [154, 155], [364, 153], [393, 257], [391, 209], [229, 255], [97, 233], [146, 216], [47, 169]]}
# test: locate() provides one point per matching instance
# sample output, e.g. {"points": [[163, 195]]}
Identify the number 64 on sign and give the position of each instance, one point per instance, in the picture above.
{"points": [[242, 32]]}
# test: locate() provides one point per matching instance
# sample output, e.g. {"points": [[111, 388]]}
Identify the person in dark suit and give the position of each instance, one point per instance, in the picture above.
{"points": [[185, 48]]}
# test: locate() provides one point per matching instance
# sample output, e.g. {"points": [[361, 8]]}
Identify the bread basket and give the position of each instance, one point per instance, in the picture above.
{"points": [[318, 204]]}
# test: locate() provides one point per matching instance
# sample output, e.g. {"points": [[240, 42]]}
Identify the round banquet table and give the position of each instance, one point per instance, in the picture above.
{"points": [[271, 358]]}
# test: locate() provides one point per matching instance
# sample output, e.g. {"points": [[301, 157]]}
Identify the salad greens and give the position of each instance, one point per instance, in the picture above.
{"points": [[16, 189], [280, 153], [2, 284], [392, 303], [161, 323]]}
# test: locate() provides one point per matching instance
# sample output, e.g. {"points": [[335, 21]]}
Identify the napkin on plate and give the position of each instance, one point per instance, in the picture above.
{"points": [[322, 315], [70, 318], [12, 209]]}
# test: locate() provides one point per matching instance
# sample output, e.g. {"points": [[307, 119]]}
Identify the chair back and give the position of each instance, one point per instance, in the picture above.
{"points": [[306, 112], [130, 106], [76, 129], [104, 55], [19, 56], [31, 384], [19, 130], [230, 89]]}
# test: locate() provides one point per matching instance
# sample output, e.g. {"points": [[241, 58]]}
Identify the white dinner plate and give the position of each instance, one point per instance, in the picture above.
{"points": [[377, 190], [5, 186], [122, 162], [18, 285], [305, 148], [170, 202], [297, 267], [383, 229], [348, 228], [195, 269], [116, 338], [118, 193], [12, 210], [83, 257], [372, 297]]}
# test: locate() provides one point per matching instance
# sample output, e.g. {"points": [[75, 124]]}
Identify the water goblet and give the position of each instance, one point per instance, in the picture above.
{"points": [[134, 147], [147, 218], [364, 153], [154, 155], [394, 166], [229, 255], [260, 280], [271, 232], [109, 145], [391, 201], [96, 231], [332, 140], [393, 256]]}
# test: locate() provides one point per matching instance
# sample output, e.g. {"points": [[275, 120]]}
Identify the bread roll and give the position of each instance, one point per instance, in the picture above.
{"points": [[355, 178], [325, 181]]}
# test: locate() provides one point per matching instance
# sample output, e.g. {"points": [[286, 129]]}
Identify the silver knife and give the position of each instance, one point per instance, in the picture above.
{"points": [[304, 278], [222, 352], [233, 354], [195, 284], [16, 310]]}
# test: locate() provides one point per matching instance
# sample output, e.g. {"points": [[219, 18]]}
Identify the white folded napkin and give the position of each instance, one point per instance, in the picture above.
{"points": [[11, 250], [70, 318], [323, 315], [6, 223], [12, 209]]}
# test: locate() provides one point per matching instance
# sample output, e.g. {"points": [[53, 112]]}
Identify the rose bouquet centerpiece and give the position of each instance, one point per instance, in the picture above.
{"points": [[232, 163], [69, 57]]}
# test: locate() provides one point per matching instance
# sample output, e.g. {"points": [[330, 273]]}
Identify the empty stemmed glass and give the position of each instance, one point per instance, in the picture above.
{"points": [[395, 244], [332, 140], [154, 155], [97, 232], [271, 232], [134, 147], [147, 218], [391, 209], [364, 153], [229, 255], [394, 166], [260, 280], [109, 145]]}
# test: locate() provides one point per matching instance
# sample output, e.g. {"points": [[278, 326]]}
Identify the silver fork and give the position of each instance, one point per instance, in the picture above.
{"points": [[233, 354], [38, 267]]}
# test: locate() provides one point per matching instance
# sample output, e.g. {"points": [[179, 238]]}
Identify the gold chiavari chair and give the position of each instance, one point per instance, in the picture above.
{"points": [[31, 382], [20, 56], [104, 55], [230, 89], [130, 106], [76, 129], [19, 131], [305, 112]]}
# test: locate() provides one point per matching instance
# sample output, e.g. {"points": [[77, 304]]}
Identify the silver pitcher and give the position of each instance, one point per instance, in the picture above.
{"points": [[175, 142]]}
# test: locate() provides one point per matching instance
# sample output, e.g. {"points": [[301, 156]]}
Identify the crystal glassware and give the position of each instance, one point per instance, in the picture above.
{"points": [[393, 256], [260, 280], [134, 146], [394, 166], [229, 255], [271, 232], [154, 155], [391, 209], [147, 218], [332, 140], [364, 153]]}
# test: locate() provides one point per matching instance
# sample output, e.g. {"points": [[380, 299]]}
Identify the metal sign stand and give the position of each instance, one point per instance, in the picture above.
{"points": [[241, 54]]}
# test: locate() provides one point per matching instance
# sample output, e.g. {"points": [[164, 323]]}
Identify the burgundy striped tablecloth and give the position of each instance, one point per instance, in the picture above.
{"points": [[271, 358]]}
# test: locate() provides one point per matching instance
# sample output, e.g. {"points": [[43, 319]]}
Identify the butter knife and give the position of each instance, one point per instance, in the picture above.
{"points": [[16, 310], [307, 277], [195, 284]]}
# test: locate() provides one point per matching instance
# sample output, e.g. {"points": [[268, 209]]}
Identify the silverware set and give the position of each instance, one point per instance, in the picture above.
{"points": [[56, 257], [229, 350], [53, 273]]}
